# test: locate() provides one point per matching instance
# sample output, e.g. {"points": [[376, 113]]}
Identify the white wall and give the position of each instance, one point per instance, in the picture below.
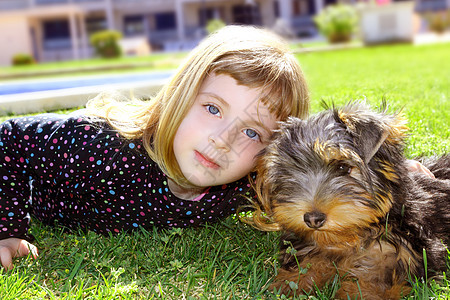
{"points": [[14, 37], [387, 23]]}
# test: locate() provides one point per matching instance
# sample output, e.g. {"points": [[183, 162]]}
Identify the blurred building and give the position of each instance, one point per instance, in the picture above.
{"points": [[432, 5], [52, 30]]}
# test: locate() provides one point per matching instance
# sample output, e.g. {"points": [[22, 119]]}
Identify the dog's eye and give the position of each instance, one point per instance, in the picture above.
{"points": [[344, 169]]}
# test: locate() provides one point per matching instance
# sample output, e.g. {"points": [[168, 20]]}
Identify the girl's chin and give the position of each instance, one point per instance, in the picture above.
{"points": [[186, 193], [199, 183]]}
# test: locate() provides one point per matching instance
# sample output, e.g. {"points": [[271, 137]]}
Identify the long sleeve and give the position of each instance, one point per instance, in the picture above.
{"points": [[34, 153], [15, 180]]}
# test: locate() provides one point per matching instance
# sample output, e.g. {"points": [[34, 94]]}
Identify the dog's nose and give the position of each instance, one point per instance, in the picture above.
{"points": [[314, 219]]}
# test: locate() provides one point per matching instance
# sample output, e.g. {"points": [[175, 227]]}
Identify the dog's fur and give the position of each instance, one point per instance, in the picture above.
{"points": [[338, 186]]}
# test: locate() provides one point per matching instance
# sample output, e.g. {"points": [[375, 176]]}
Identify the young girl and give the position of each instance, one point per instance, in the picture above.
{"points": [[180, 159]]}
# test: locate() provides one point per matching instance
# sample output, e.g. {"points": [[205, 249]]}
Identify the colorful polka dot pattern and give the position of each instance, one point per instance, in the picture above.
{"points": [[70, 171]]}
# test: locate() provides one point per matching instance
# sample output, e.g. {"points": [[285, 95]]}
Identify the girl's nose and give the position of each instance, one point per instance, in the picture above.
{"points": [[220, 143], [225, 136]]}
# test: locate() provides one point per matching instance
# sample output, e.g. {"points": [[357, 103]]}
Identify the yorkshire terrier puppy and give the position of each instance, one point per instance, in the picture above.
{"points": [[338, 186]]}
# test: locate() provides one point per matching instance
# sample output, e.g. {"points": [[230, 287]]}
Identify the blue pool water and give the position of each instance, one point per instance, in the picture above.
{"points": [[10, 88]]}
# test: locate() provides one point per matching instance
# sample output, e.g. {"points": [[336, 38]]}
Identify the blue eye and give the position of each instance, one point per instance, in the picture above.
{"points": [[252, 134], [213, 109]]}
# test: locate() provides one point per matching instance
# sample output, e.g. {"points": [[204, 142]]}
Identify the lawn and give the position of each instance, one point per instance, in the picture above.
{"points": [[230, 260], [157, 61]]}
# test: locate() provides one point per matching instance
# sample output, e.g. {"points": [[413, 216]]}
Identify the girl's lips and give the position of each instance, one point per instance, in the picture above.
{"points": [[205, 161]]}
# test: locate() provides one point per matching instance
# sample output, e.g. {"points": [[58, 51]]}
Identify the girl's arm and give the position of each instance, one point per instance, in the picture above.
{"points": [[13, 247]]}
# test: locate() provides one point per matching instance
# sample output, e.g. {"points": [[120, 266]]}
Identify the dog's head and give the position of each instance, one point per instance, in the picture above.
{"points": [[327, 178]]}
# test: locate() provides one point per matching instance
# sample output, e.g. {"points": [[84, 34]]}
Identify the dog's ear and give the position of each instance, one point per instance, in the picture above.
{"points": [[371, 130]]}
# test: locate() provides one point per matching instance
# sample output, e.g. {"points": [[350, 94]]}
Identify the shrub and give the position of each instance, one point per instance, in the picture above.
{"points": [[438, 21], [337, 22], [21, 59], [214, 25], [106, 43]]}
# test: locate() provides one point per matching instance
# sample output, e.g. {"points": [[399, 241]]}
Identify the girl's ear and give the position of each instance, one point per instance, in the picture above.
{"points": [[371, 130]]}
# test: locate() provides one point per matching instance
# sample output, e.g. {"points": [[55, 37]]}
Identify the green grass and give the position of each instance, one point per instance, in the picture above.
{"points": [[415, 78], [230, 260], [209, 262], [320, 45], [158, 61], [155, 61]]}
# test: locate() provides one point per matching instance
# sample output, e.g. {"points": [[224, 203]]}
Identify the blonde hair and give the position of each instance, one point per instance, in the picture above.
{"points": [[253, 57]]}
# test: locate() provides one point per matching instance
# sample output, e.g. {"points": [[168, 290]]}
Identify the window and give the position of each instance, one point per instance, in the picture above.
{"points": [[276, 9], [207, 14], [94, 24], [56, 29], [246, 14], [302, 7], [50, 1], [164, 21], [56, 34], [134, 25]]}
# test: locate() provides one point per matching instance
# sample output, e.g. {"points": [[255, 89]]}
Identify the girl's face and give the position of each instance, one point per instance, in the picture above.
{"points": [[225, 128]]}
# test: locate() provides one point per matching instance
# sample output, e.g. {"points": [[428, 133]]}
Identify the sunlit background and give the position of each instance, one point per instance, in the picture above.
{"points": [[55, 55], [56, 30], [46, 43]]}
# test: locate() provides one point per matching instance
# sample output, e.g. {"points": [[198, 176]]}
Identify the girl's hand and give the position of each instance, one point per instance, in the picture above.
{"points": [[415, 166], [12, 247]]}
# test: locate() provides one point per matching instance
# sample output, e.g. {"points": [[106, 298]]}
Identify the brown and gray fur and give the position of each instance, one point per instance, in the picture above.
{"points": [[338, 186]]}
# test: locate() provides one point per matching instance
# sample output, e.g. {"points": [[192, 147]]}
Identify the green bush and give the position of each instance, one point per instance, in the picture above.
{"points": [[438, 22], [337, 22], [21, 59], [214, 25], [106, 43]]}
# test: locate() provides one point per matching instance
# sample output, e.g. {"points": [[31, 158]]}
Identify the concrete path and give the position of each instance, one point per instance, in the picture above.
{"points": [[63, 98]]}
